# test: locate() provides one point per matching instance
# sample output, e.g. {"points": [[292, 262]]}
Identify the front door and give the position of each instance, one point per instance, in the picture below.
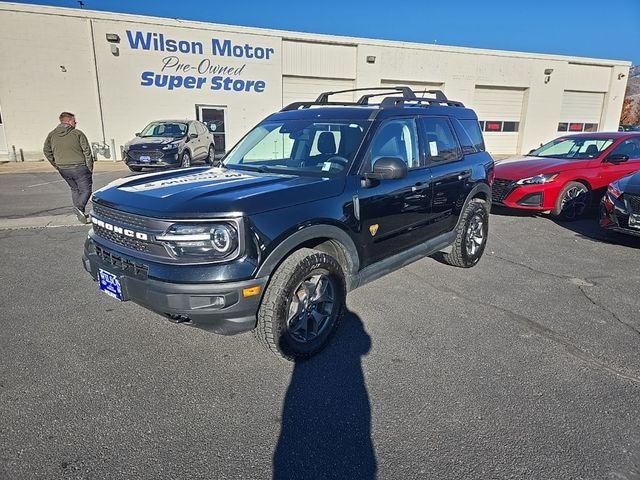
{"points": [[609, 172], [214, 118], [394, 213]]}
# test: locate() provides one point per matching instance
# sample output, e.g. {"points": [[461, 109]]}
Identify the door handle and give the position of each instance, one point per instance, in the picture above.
{"points": [[464, 175], [416, 186]]}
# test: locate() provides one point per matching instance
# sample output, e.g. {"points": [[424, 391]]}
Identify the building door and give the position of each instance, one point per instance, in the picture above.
{"points": [[214, 118], [580, 111], [3, 140], [304, 89], [499, 110]]}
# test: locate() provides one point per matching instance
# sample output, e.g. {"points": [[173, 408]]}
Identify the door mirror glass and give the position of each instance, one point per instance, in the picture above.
{"points": [[616, 158], [388, 168]]}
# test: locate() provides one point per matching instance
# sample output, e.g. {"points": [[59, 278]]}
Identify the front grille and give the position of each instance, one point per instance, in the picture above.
{"points": [[634, 203], [154, 155], [120, 217], [121, 240], [501, 189], [138, 270]]}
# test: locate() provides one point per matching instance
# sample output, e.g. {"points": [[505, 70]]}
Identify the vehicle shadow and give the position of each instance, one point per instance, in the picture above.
{"points": [[588, 227], [326, 416]]}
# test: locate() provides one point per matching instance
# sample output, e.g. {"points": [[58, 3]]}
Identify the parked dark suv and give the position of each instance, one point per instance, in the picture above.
{"points": [[170, 143], [317, 200]]}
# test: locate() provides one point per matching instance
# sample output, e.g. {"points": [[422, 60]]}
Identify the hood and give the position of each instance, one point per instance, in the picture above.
{"points": [[203, 192], [152, 141], [630, 184], [530, 166], [62, 130]]}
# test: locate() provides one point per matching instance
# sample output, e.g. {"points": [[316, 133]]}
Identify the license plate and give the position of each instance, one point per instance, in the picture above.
{"points": [[634, 220], [145, 158], [110, 284]]}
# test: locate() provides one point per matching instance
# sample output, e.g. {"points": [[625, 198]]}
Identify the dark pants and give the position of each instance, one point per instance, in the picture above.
{"points": [[80, 181]]}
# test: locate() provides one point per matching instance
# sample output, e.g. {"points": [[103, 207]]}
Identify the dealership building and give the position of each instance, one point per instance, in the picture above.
{"points": [[119, 72]]}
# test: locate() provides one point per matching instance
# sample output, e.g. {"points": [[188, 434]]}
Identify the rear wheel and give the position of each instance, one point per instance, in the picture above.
{"points": [[573, 202], [185, 161], [471, 238], [302, 305]]}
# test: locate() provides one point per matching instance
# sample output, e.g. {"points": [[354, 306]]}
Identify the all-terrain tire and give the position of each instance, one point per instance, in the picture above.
{"points": [[273, 330], [468, 247]]}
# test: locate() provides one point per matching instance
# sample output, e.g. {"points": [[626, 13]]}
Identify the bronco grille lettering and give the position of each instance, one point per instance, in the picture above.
{"points": [[120, 230]]}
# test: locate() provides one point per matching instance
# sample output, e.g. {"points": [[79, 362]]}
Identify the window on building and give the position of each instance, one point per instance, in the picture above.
{"points": [[499, 126]]}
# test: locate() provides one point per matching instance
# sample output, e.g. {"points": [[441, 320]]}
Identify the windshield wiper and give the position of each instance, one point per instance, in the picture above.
{"points": [[251, 168]]}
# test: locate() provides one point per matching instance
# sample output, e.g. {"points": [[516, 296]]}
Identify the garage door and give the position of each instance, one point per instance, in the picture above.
{"points": [[500, 112], [580, 111], [303, 89], [415, 86]]}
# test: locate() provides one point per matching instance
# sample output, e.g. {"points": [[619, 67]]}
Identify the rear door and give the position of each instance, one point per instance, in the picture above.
{"points": [[394, 213], [450, 173]]}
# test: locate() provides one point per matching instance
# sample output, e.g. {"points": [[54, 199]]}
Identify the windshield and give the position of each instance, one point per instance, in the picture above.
{"points": [[164, 129], [303, 147], [578, 148]]}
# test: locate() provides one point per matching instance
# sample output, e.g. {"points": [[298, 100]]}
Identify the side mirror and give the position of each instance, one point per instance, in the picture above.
{"points": [[388, 168], [137, 134], [193, 135], [616, 158]]}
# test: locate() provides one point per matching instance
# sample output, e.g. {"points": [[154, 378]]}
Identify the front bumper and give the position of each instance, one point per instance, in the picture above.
{"points": [[536, 198], [614, 215], [196, 304]]}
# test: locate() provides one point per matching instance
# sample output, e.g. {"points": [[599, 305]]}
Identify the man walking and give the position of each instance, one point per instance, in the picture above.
{"points": [[68, 150]]}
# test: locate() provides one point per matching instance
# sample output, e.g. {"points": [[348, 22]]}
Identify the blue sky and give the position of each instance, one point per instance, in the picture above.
{"points": [[587, 28]]}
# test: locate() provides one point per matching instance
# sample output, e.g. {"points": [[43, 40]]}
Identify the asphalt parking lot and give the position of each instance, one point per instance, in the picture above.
{"points": [[524, 367]]}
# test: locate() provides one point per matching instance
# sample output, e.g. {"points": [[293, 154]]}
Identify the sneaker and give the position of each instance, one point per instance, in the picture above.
{"points": [[80, 215]]}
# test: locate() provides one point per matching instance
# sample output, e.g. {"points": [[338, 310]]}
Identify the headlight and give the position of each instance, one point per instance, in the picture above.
{"points": [[538, 179], [614, 190], [212, 241], [170, 146]]}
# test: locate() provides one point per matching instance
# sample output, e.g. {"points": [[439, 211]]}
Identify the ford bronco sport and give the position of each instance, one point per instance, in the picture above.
{"points": [[317, 200]]}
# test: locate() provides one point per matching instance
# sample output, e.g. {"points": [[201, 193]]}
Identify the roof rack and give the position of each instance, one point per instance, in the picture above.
{"points": [[323, 98], [408, 96]]}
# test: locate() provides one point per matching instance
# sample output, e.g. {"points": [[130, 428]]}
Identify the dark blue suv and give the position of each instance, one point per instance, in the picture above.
{"points": [[317, 200]]}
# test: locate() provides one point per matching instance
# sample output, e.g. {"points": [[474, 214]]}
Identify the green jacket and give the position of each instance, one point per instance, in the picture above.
{"points": [[67, 147]]}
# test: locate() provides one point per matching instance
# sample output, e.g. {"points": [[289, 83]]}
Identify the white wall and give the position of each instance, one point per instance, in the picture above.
{"points": [[37, 41]]}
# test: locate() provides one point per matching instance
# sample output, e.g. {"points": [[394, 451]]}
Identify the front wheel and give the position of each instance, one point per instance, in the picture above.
{"points": [[573, 202], [471, 237], [185, 161], [302, 305], [211, 156]]}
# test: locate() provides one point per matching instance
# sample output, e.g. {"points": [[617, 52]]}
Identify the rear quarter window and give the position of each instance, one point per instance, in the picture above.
{"points": [[472, 129]]}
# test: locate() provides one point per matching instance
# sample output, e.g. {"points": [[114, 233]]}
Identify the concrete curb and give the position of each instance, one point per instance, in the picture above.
{"points": [[50, 221]]}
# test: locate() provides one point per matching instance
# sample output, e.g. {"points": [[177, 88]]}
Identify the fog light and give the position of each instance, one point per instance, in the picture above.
{"points": [[206, 301]]}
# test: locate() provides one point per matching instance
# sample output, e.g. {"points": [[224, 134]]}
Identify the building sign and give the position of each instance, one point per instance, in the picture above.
{"points": [[194, 65]]}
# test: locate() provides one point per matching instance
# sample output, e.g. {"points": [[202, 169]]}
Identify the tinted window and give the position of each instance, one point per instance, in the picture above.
{"points": [[472, 127], [630, 148], [468, 146], [441, 143], [397, 138]]}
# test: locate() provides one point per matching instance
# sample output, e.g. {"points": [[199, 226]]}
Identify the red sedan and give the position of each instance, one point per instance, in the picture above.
{"points": [[566, 175]]}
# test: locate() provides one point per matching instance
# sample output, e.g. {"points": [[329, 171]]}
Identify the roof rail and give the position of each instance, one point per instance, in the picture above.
{"points": [[408, 96], [406, 92], [394, 102]]}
